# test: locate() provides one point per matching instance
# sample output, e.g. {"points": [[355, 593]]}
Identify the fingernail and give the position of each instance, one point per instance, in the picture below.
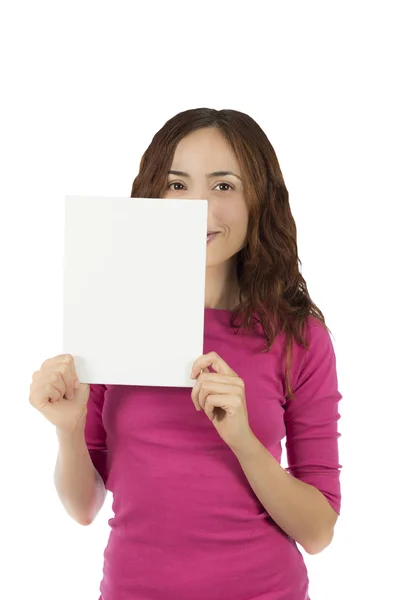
{"points": [[76, 384]]}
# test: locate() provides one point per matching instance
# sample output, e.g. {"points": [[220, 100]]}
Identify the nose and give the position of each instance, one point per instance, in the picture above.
{"points": [[196, 195], [199, 194]]}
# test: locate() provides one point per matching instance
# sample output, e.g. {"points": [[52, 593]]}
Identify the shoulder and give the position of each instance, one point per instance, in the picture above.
{"points": [[319, 353], [317, 335]]}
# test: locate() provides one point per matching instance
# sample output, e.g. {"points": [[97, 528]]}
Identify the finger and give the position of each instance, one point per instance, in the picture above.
{"points": [[61, 380], [209, 408], [205, 370], [214, 407], [218, 389], [213, 378], [213, 360], [71, 378], [57, 382], [64, 376], [43, 392], [52, 392]]}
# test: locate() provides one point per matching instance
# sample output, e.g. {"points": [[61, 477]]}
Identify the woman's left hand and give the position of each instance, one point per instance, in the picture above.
{"points": [[222, 396]]}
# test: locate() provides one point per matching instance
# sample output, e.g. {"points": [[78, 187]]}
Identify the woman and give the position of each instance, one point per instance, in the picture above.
{"points": [[203, 509]]}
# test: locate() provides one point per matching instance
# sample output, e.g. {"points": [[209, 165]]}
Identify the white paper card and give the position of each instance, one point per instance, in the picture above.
{"points": [[134, 286]]}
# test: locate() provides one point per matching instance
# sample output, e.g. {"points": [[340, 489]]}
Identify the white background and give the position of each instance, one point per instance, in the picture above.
{"points": [[85, 86]]}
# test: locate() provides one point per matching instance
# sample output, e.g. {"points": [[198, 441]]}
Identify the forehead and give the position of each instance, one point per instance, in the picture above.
{"points": [[207, 145]]}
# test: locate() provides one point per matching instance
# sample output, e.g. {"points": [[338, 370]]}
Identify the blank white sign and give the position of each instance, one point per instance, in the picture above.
{"points": [[134, 285]]}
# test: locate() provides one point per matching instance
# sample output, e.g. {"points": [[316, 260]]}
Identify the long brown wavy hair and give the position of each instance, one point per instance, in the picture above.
{"points": [[270, 283]]}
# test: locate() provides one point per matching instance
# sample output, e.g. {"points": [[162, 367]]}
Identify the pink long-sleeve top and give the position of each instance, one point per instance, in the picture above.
{"points": [[187, 525]]}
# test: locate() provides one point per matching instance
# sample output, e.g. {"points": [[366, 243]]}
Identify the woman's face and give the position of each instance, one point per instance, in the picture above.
{"points": [[197, 158]]}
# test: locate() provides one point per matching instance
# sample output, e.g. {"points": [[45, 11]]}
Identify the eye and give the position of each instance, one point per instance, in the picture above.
{"points": [[174, 183], [227, 184]]}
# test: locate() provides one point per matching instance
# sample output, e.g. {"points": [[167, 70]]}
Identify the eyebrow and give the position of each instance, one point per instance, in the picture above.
{"points": [[209, 175]]}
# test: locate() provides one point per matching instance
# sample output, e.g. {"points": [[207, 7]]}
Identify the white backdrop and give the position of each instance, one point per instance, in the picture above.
{"points": [[85, 87]]}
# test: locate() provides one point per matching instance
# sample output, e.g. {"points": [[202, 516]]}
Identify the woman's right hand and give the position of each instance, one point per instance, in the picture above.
{"points": [[56, 393]]}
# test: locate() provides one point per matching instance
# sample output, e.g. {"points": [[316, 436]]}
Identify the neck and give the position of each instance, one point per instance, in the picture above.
{"points": [[222, 290]]}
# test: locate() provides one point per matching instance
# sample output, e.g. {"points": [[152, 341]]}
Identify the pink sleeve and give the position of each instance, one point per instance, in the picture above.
{"points": [[95, 434], [311, 419]]}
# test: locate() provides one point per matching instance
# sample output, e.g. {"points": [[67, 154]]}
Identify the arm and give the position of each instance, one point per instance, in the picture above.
{"points": [[304, 500], [298, 508], [78, 484]]}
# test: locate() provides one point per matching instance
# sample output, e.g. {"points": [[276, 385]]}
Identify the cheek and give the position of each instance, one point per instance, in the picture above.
{"points": [[238, 224], [233, 216], [244, 221]]}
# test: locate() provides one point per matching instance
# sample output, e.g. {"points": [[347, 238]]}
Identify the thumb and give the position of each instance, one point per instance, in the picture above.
{"points": [[81, 395]]}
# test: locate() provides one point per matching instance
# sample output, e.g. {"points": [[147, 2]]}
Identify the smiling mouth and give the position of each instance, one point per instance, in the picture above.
{"points": [[211, 235]]}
